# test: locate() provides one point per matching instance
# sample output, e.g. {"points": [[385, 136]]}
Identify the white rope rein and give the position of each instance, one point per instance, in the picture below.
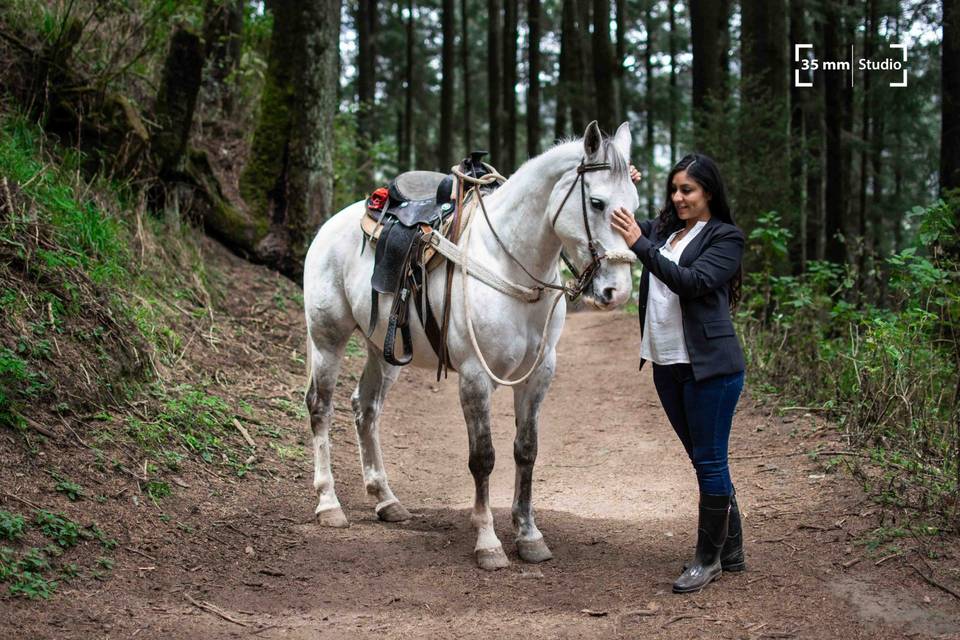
{"points": [[469, 267]]}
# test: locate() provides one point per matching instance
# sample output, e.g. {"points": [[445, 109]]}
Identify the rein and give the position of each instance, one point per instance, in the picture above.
{"points": [[582, 279]]}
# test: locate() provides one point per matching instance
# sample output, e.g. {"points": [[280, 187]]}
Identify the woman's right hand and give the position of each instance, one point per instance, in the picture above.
{"points": [[635, 175], [626, 225]]}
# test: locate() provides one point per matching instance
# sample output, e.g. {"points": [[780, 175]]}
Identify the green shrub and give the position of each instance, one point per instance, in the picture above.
{"points": [[11, 526], [888, 374], [58, 528]]}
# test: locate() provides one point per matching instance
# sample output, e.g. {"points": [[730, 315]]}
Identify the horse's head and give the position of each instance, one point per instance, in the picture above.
{"points": [[604, 189]]}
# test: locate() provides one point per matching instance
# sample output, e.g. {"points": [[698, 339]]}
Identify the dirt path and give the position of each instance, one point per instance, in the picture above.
{"points": [[615, 499]]}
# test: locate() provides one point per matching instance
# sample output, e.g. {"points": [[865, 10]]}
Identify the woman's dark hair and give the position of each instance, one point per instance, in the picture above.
{"points": [[705, 172]]}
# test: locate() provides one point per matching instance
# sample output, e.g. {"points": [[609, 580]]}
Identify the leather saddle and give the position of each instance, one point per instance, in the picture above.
{"points": [[396, 220], [415, 203]]}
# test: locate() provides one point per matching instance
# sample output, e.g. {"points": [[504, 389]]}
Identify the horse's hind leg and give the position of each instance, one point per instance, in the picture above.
{"points": [[367, 400], [475, 390], [324, 365], [526, 402]]}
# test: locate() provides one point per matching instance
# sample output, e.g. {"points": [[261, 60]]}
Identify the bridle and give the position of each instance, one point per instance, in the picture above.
{"points": [[582, 279], [572, 291]]}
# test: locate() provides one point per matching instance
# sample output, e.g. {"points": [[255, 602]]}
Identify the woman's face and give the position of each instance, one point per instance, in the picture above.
{"points": [[689, 198]]}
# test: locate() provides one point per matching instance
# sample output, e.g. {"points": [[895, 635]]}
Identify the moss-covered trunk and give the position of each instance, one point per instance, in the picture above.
{"points": [[288, 181], [176, 102]]}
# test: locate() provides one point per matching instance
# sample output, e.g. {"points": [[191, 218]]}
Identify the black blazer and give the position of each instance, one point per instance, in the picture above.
{"points": [[701, 281]]}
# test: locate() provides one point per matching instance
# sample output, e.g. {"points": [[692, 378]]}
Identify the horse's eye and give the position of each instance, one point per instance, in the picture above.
{"points": [[597, 204]]}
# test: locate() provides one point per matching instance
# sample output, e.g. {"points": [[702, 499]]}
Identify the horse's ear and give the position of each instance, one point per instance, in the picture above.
{"points": [[622, 140], [592, 139]]}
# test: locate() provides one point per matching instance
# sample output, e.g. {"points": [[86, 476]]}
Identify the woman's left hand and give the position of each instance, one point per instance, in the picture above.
{"points": [[626, 225]]}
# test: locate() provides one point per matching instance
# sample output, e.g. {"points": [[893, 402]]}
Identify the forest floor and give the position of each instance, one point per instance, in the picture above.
{"points": [[615, 498]]}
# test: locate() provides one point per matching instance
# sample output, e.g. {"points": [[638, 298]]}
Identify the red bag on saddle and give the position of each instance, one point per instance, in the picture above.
{"points": [[378, 199]]}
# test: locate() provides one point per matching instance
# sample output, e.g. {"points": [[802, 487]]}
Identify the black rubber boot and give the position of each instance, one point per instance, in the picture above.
{"points": [[731, 558], [712, 531]]}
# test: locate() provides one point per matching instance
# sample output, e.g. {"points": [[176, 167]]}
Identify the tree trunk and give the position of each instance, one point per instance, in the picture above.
{"points": [[401, 151], [672, 105], [799, 103], [176, 102], [408, 94], [465, 74], [445, 152], [619, 72], [814, 130], [510, 37], [836, 172], [494, 79], [847, 219], [724, 17], [864, 244], [533, 89], [603, 65], [950, 104], [223, 38], [585, 94], [568, 63], [649, 141], [288, 181], [366, 91], [707, 75], [765, 168]]}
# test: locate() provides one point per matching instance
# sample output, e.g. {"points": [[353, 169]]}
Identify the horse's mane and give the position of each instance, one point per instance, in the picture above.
{"points": [[618, 165]]}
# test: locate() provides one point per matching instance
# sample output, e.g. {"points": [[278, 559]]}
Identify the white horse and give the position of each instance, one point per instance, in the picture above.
{"points": [[524, 213]]}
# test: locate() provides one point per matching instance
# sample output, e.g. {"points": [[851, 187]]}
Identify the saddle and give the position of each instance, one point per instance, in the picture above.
{"points": [[396, 220]]}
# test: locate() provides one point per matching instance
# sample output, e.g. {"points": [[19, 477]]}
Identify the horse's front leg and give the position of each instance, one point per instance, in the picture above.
{"points": [[526, 403], [475, 390]]}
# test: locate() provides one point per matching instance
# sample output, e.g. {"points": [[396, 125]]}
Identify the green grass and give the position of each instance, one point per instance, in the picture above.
{"points": [[85, 237]]}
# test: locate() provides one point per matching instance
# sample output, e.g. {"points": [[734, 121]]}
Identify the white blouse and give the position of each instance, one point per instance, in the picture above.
{"points": [[662, 341]]}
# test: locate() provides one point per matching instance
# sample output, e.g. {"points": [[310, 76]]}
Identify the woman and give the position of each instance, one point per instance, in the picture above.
{"points": [[691, 257]]}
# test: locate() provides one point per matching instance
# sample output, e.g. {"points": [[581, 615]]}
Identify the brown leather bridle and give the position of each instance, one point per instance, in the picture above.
{"points": [[583, 279]]}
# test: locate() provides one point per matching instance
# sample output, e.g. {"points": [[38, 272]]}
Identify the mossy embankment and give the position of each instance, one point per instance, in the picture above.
{"points": [[120, 408]]}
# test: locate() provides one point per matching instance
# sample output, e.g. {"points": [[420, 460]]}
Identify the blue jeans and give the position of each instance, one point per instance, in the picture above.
{"points": [[701, 413]]}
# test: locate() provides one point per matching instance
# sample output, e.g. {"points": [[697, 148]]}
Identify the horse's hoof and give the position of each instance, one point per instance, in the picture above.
{"points": [[393, 512], [533, 550], [332, 518], [491, 559]]}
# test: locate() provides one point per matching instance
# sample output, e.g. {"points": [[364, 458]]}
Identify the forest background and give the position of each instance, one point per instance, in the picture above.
{"points": [[257, 121]]}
